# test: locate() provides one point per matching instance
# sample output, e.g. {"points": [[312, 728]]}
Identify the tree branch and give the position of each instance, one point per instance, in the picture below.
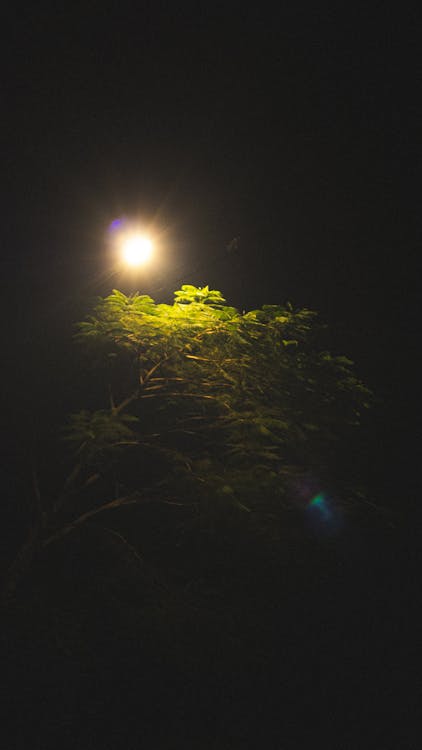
{"points": [[127, 500], [125, 542]]}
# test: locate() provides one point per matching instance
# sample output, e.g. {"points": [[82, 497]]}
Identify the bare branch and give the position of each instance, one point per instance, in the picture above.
{"points": [[125, 542], [127, 500]]}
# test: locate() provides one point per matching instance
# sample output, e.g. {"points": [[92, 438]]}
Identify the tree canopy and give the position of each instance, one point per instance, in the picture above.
{"points": [[212, 425], [201, 401]]}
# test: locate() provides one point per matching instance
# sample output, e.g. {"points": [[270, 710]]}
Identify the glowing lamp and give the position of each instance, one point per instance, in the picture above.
{"points": [[136, 250]]}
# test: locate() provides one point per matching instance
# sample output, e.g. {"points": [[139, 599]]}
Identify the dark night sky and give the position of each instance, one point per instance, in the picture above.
{"points": [[294, 130]]}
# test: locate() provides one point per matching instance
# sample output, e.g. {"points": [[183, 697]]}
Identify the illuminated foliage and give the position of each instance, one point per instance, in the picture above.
{"points": [[229, 417], [208, 402]]}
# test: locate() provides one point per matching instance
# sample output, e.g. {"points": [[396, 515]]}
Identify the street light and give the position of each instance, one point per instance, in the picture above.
{"points": [[136, 250], [130, 244]]}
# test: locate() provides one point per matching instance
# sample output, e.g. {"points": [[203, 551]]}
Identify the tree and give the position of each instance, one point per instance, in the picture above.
{"points": [[207, 407], [213, 401]]}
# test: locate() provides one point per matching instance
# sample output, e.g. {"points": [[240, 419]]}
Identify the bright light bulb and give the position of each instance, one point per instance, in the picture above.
{"points": [[137, 250]]}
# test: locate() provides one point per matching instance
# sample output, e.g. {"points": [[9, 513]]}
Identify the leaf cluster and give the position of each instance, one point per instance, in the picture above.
{"points": [[225, 403]]}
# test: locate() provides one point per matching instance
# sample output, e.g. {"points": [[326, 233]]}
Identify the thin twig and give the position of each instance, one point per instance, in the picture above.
{"points": [[128, 500], [125, 542]]}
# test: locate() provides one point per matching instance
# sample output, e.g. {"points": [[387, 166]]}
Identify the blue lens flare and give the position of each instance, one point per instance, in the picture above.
{"points": [[322, 516], [319, 502], [115, 225]]}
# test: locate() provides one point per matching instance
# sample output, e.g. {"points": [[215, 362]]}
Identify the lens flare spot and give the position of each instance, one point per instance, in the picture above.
{"points": [[116, 225], [319, 503], [321, 515]]}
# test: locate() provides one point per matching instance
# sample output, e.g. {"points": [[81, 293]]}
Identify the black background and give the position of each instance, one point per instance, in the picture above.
{"points": [[295, 130]]}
